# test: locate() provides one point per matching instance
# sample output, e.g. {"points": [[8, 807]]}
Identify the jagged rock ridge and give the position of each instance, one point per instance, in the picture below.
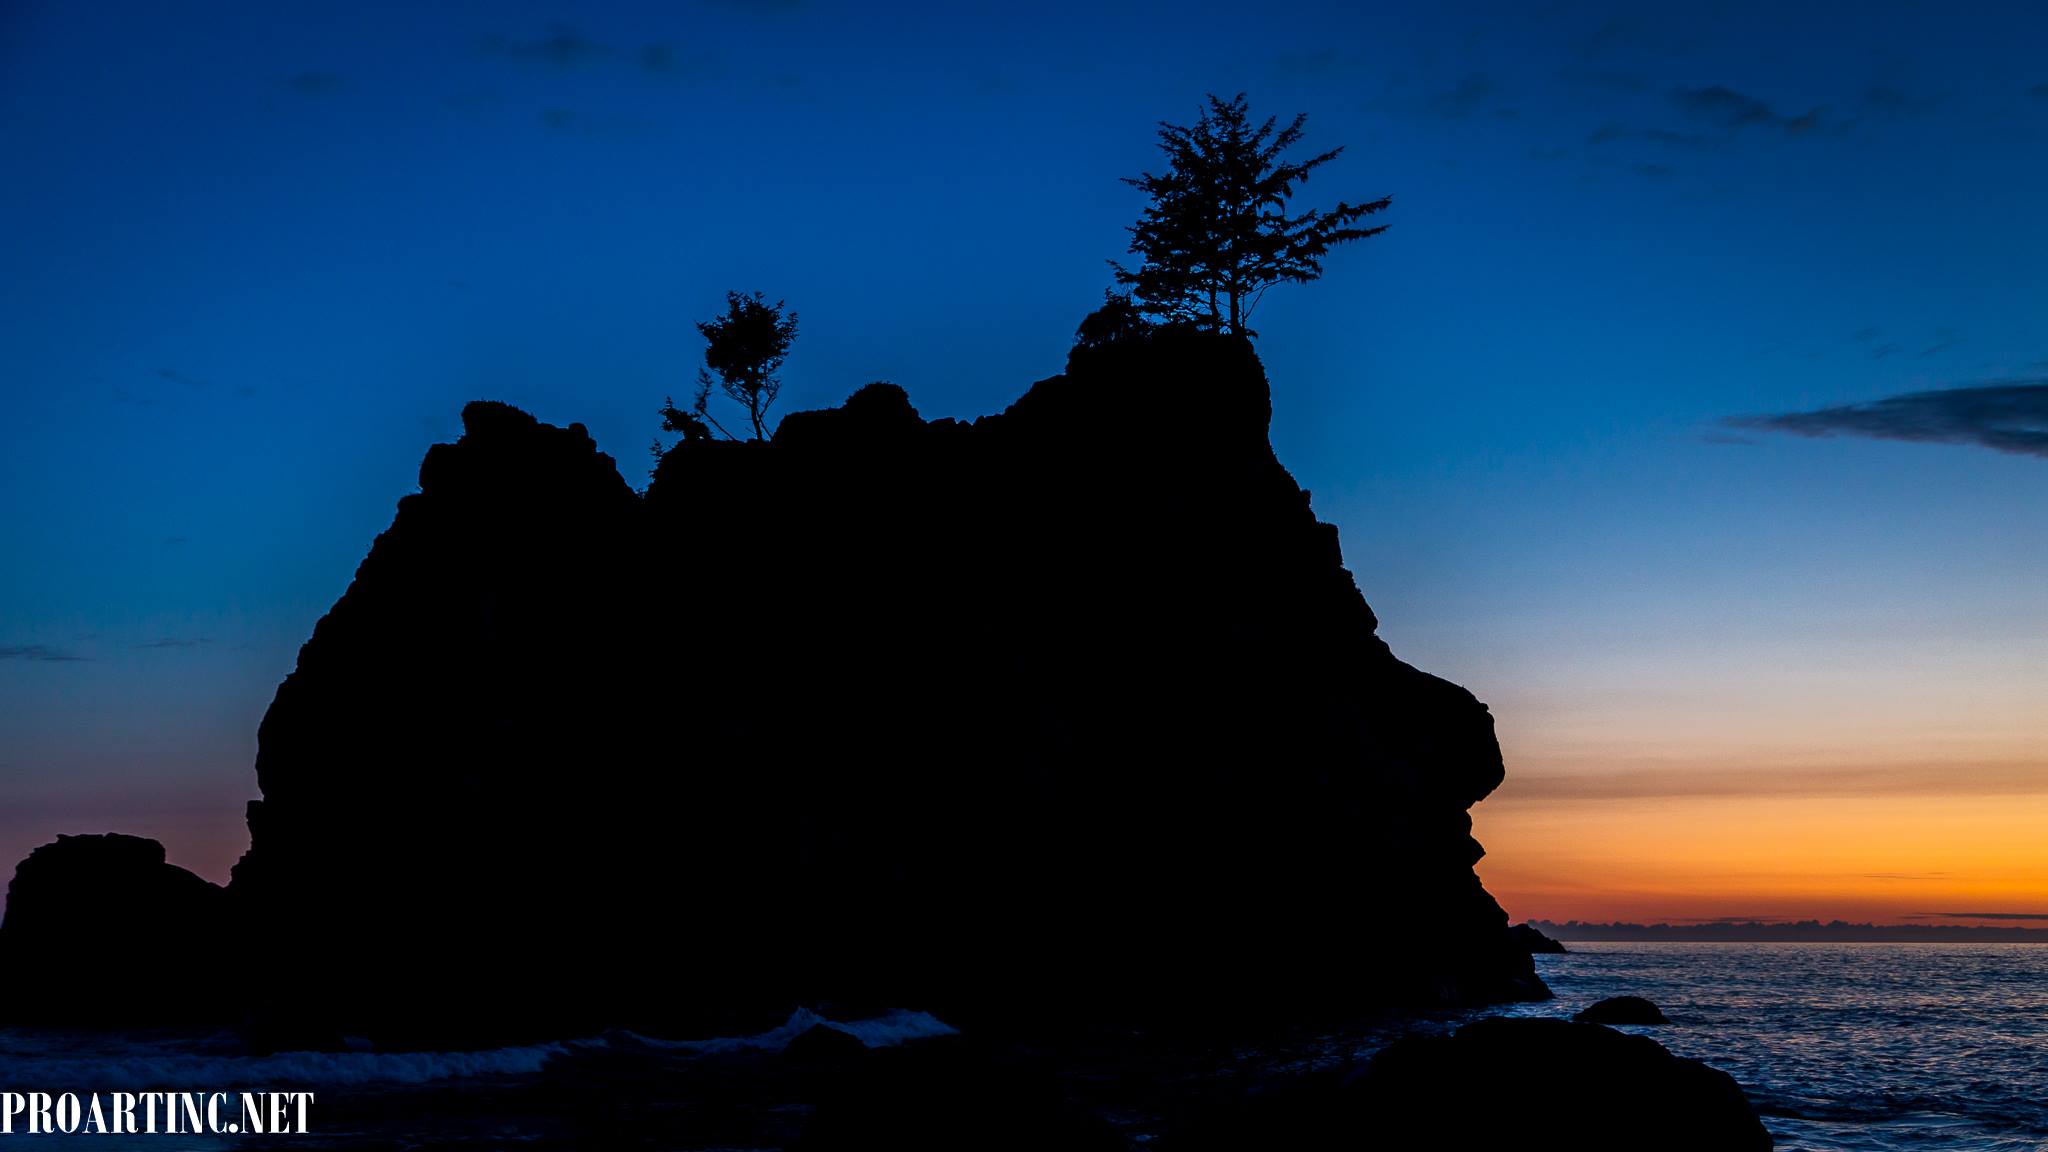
{"points": [[1070, 711]]}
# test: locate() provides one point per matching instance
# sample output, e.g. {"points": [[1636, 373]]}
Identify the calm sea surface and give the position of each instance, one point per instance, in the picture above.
{"points": [[1847, 1046]]}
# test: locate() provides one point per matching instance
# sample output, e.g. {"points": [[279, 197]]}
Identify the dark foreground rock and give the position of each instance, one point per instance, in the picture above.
{"points": [[1501, 1083], [1496, 1083], [100, 931], [822, 1045], [1529, 940], [1069, 713], [1621, 1010], [950, 1094]]}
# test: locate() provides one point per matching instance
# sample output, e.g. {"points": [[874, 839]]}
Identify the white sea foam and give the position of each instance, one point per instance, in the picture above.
{"points": [[876, 1032], [103, 1064], [167, 1071]]}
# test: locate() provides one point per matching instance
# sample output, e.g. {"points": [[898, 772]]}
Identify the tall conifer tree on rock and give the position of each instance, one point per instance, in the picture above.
{"points": [[1216, 234]]}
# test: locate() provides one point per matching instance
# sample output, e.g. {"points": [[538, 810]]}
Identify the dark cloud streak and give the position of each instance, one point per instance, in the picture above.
{"points": [[312, 83], [41, 653], [1725, 108], [665, 59], [1471, 95], [2007, 417], [1988, 778], [1319, 63], [563, 47]]}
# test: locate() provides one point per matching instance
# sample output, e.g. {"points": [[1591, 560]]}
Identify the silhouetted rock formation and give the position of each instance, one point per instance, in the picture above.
{"points": [[100, 931], [1071, 712], [1529, 940], [1621, 1010], [1584, 1086]]}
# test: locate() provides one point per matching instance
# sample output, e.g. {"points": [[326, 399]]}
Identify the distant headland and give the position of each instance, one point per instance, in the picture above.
{"points": [[1794, 931]]}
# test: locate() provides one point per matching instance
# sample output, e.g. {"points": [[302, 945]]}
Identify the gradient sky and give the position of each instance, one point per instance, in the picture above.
{"points": [[253, 265]]}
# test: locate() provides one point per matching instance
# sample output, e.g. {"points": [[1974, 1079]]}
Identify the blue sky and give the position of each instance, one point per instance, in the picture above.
{"points": [[258, 256]]}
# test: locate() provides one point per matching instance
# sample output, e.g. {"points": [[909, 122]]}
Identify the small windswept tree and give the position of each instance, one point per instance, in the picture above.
{"points": [[744, 349], [1216, 234]]}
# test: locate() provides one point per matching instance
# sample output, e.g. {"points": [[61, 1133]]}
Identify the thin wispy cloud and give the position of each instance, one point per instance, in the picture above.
{"points": [[1897, 101], [1943, 341], [1720, 106], [1715, 116], [1629, 133], [566, 49], [1606, 79], [1992, 778], [312, 83], [1317, 63], [1635, 37], [40, 653], [177, 643], [1474, 94], [1992, 915], [658, 58], [666, 59], [562, 47], [2007, 417]]}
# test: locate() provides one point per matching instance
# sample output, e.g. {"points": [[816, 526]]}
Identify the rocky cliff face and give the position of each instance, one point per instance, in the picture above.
{"points": [[1070, 710]]}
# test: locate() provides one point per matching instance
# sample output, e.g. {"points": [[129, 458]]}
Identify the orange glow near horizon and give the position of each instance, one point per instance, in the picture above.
{"points": [[1894, 854], [1667, 782]]}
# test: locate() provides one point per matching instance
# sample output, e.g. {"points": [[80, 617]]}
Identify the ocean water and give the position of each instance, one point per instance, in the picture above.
{"points": [[1842, 1048], [1847, 1047], [535, 1096]]}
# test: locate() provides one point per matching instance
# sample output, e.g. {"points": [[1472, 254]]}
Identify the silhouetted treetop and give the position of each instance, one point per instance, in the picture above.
{"points": [[744, 349], [1119, 319], [690, 424], [1216, 233]]}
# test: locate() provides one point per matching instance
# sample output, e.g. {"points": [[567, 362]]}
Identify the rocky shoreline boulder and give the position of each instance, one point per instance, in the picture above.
{"points": [[101, 932], [1621, 1010], [1500, 1082]]}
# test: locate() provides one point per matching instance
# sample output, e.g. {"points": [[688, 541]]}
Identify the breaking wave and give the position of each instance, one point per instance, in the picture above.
{"points": [[32, 1061]]}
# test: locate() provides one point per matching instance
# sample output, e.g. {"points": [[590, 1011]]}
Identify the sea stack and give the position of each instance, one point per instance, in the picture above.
{"points": [[1069, 712]]}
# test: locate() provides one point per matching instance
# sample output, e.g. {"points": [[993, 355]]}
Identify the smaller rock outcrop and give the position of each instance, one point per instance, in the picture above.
{"points": [[1622, 1010], [1592, 1088], [1535, 943], [100, 931]]}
